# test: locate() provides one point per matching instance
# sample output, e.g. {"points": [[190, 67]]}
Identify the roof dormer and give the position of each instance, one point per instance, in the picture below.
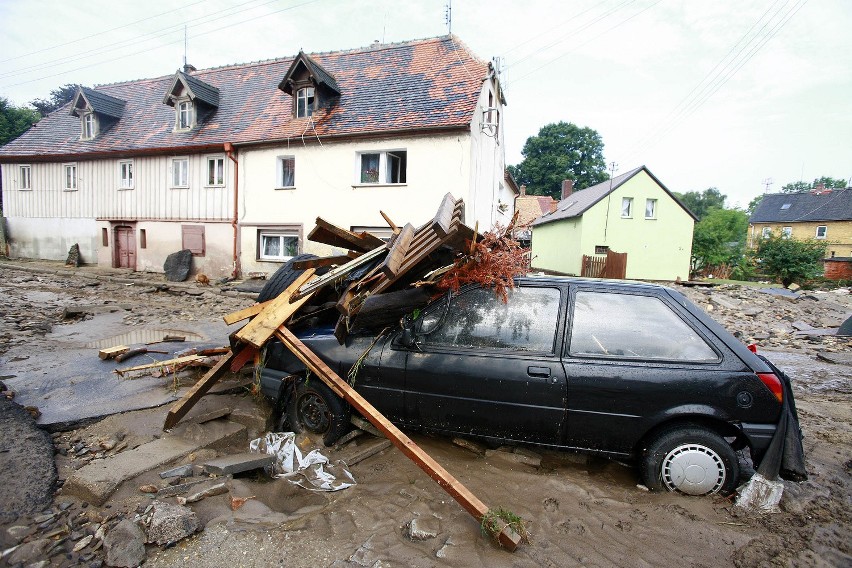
{"points": [[96, 111], [189, 95], [310, 85]]}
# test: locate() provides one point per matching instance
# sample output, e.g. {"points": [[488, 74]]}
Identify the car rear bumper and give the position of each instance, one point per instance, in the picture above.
{"points": [[270, 383], [759, 437]]}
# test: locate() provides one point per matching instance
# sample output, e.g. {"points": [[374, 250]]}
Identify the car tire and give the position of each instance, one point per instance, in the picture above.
{"points": [[691, 460], [282, 278], [314, 409]]}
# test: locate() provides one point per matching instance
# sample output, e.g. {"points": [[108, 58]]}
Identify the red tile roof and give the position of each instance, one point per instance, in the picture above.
{"points": [[419, 85]]}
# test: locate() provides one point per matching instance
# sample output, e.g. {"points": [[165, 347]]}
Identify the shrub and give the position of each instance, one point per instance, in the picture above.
{"points": [[790, 260]]}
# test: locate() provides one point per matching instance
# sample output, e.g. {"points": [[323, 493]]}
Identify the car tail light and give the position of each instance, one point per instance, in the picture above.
{"points": [[752, 347], [773, 383]]}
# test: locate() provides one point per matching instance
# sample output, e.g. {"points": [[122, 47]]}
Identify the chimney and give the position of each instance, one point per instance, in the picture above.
{"points": [[523, 190], [567, 188], [188, 68]]}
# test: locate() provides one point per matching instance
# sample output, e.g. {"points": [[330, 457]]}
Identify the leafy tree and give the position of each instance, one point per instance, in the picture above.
{"points": [[58, 97], [561, 151], [802, 186], [719, 238], [752, 205], [790, 260], [14, 121], [702, 202]]}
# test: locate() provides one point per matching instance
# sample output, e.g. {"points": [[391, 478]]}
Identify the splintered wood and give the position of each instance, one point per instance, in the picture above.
{"points": [[372, 279]]}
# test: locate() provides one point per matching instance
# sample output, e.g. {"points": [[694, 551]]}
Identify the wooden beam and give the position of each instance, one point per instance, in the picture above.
{"points": [[243, 357], [320, 262], [263, 326], [444, 216], [245, 313], [390, 223], [181, 407], [398, 251], [508, 538], [112, 352], [340, 272], [330, 234], [163, 363]]}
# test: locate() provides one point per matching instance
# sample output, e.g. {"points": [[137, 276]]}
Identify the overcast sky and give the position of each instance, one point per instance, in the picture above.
{"points": [[706, 93]]}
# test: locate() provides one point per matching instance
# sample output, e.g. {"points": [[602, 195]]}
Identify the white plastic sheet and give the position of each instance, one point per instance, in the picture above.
{"points": [[312, 471], [760, 495]]}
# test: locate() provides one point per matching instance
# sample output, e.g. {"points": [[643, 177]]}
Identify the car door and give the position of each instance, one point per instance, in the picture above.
{"points": [[488, 367], [633, 359]]}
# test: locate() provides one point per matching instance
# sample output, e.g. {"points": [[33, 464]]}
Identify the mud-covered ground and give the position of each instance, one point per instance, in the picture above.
{"points": [[580, 512]]}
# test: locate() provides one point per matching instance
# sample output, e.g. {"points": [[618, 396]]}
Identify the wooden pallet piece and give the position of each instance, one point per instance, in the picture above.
{"points": [[330, 234], [398, 250], [508, 538], [338, 260], [263, 326], [163, 363], [181, 407], [340, 272], [441, 221], [245, 313], [112, 352]]}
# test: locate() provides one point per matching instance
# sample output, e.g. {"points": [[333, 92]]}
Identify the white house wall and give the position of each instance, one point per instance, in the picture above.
{"points": [[50, 238]]}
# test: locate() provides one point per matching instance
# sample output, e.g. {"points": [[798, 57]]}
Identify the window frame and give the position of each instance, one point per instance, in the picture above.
{"points": [[281, 233], [25, 177], [213, 183], [172, 180], [72, 183], [184, 107], [384, 169], [766, 232], [88, 126], [786, 232], [629, 202], [279, 172], [121, 178], [653, 203], [824, 232], [306, 102]]}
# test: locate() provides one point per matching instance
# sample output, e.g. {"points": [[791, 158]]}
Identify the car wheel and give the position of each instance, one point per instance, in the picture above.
{"points": [[282, 278], [314, 409], [691, 460]]}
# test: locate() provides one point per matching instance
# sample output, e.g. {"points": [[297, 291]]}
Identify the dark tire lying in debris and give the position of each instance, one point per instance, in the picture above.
{"points": [[314, 409], [282, 278]]}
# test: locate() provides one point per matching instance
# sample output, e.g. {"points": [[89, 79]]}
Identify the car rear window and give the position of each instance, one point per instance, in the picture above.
{"points": [[478, 318], [633, 326]]}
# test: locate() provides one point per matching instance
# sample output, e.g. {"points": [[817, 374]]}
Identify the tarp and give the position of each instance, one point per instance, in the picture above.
{"points": [[312, 471]]}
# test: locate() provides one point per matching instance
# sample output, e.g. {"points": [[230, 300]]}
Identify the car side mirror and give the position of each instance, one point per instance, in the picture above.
{"points": [[408, 338]]}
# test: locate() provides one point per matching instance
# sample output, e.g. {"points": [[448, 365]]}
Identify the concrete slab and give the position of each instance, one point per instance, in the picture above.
{"points": [[238, 463], [99, 479]]}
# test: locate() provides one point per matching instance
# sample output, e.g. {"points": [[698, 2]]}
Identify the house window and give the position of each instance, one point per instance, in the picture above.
{"points": [[492, 115], [626, 207], [125, 169], [785, 206], [650, 208], [104, 237], [786, 232], [192, 238], [180, 172], [278, 245], [143, 239], [286, 176], [88, 126], [384, 233], [383, 167], [305, 102], [184, 115], [821, 231], [767, 232], [25, 177], [70, 177], [215, 170]]}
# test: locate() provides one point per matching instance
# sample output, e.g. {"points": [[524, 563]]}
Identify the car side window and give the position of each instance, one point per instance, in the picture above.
{"points": [[635, 327], [479, 318]]}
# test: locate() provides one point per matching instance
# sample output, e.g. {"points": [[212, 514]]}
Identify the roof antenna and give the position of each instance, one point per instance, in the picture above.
{"points": [[184, 47], [448, 16]]}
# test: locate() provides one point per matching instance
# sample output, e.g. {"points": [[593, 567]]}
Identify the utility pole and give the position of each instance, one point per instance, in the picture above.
{"points": [[613, 167]]}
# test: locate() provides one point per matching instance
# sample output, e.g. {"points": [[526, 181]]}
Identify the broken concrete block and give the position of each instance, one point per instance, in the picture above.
{"points": [[211, 491], [211, 415], [238, 463], [178, 489], [125, 545], [364, 451], [422, 528], [180, 471], [171, 523], [801, 326]]}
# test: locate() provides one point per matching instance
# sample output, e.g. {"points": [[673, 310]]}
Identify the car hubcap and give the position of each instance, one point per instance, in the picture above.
{"points": [[313, 413], [693, 469]]}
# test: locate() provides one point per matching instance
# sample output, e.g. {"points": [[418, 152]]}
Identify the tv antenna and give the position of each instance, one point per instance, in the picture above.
{"points": [[767, 183], [448, 16]]}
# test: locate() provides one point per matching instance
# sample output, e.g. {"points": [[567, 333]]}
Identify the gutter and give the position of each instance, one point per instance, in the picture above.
{"points": [[229, 151], [125, 153]]}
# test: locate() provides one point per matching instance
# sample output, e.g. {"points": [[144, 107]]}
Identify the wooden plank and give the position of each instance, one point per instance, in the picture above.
{"points": [[320, 262], [330, 234], [163, 363], [390, 223], [444, 216], [181, 407], [112, 352], [340, 272], [508, 538], [246, 313], [243, 357], [398, 250], [263, 326]]}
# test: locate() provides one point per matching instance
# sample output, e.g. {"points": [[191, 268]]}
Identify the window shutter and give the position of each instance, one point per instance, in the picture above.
{"points": [[193, 239]]}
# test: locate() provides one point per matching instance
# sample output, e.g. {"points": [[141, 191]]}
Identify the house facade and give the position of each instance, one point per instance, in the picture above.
{"points": [[633, 213], [235, 163]]}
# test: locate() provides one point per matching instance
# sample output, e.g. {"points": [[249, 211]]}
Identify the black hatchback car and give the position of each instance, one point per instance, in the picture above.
{"points": [[630, 371]]}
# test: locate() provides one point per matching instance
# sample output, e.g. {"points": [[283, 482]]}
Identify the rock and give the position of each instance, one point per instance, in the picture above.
{"points": [[470, 445], [801, 326], [422, 529], [238, 463], [73, 256], [125, 545], [19, 533], [148, 489], [794, 287], [29, 552], [171, 523], [83, 543], [180, 471], [178, 265]]}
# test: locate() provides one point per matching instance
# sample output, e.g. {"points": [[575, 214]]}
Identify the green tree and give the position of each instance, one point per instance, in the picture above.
{"points": [[702, 202], [752, 205], [58, 97], [803, 186], [561, 151], [790, 260], [14, 121], [719, 238]]}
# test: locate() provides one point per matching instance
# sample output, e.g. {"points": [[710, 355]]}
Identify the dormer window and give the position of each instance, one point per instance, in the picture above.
{"points": [[184, 118], [97, 111], [305, 101], [89, 125], [193, 99]]}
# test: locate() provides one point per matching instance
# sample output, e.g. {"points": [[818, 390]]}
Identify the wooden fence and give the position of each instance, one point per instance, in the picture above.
{"points": [[613, 265]]}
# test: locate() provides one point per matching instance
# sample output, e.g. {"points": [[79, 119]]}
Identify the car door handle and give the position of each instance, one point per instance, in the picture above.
{"points": [[543, 372]]}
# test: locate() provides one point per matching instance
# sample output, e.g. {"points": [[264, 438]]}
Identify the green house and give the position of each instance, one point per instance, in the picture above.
{"points": [[633, 213]]}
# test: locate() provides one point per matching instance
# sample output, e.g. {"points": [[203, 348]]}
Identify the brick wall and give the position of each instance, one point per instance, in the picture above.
{"points": [[838, 268]]}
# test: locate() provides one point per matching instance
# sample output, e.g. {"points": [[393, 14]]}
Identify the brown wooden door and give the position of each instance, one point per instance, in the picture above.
{"points": [[125, 245]]}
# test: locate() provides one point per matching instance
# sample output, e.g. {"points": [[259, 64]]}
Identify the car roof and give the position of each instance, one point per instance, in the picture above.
{"points": [[602, 282]]}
